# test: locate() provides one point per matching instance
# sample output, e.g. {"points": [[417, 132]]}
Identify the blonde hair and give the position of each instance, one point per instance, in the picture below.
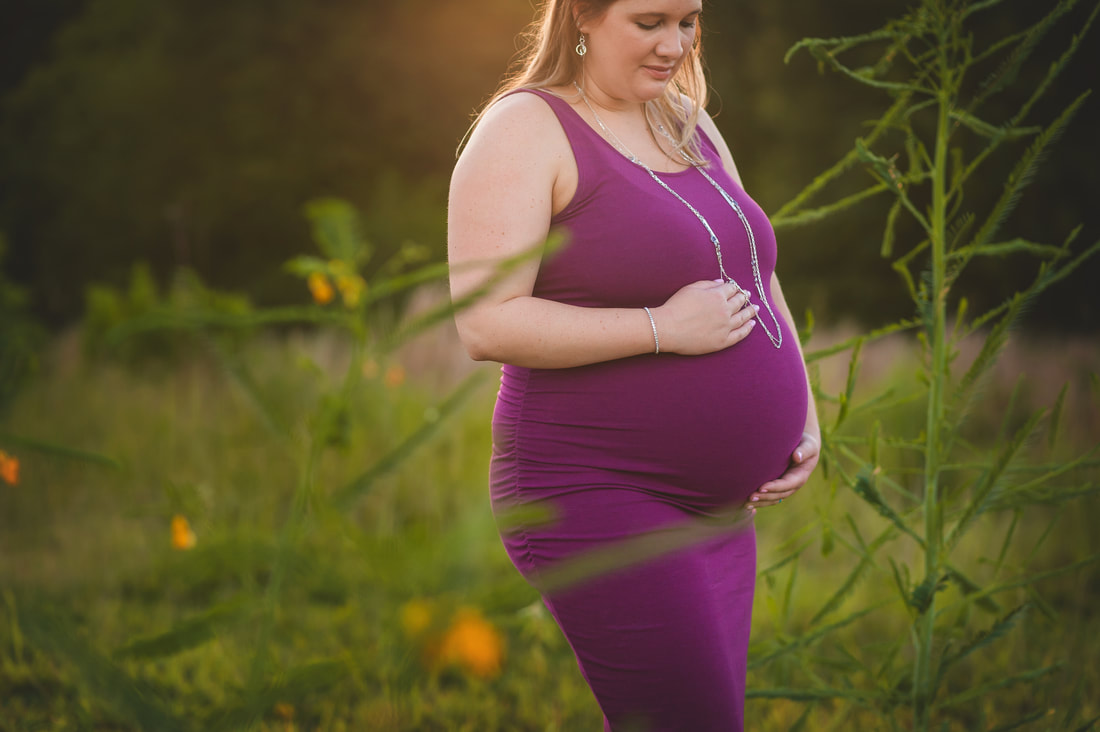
{"points": [[548, 59]]}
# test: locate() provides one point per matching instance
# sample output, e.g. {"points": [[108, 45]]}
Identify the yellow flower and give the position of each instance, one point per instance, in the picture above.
{"points": [[182, 535], [473, 643], [395, 376], [9, 468], [416, 616], [351, 288], [320, 288]]}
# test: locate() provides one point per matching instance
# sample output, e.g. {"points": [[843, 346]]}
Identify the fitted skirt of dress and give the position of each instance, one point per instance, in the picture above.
{"points": [[635, 448]]}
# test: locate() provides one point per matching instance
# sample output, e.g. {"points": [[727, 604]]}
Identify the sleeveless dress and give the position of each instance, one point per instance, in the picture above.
{"points": [[622, 448]]}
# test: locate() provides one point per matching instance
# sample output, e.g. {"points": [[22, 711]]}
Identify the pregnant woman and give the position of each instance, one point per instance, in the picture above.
{"points": [[651, 373]]}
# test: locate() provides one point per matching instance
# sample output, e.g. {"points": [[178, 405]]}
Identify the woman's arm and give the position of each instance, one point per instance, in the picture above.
{"points": [[515, 171]]}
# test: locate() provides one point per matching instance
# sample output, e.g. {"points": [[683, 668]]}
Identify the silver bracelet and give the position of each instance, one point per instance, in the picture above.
{"points": [[656, 340]]}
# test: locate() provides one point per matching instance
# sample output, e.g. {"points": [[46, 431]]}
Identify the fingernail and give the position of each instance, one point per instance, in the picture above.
{"points": [[756, 308], [798, 456], [752, 323], [755, 498]]}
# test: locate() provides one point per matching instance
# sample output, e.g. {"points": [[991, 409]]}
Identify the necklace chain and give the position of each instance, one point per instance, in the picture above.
{"points": [[777, 337]]}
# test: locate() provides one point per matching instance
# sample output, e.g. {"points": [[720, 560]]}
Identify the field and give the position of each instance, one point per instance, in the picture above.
{"points": [[222, 569]]}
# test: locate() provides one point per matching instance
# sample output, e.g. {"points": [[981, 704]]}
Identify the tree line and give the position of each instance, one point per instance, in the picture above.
{"points": [[190, 134]]}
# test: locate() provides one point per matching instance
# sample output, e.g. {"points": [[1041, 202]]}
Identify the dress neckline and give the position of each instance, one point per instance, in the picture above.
{"points": [[607, 143]]}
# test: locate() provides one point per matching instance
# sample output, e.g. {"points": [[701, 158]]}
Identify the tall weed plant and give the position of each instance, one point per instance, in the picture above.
{"points": [[928, 478]]}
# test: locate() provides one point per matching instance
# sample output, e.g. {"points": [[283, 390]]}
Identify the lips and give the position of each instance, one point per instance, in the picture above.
{"points": [[660, 72]]}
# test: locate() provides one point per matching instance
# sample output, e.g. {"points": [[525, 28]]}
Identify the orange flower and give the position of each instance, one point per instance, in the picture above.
{"points": [[182, 535], [320, 288], [474, 644], [9, 468], [284, 710], [395, 376]]}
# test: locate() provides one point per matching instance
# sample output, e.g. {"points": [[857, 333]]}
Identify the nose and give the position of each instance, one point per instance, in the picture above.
{"points": [[670, 44]]}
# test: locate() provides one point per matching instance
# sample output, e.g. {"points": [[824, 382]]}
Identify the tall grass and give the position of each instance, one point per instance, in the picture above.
{"points": [[934, 480]]}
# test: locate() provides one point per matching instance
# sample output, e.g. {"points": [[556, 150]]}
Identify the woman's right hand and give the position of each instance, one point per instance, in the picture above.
{"points": [[704, 317]]}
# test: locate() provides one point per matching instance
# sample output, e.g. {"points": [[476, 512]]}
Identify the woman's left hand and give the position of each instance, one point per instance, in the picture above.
{"points": [[803, 462]]}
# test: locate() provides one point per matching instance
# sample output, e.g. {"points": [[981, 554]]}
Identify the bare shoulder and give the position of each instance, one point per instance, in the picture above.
{"points": [[520, 128], [706, 123], [518, 153]]}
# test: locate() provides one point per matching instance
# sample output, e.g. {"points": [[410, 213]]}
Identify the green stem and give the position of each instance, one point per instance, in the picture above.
{"points": [[923, 693]]}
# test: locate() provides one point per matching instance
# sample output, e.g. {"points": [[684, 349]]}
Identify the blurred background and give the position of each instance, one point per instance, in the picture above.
{"points": [[189, 133], [217, 523]]}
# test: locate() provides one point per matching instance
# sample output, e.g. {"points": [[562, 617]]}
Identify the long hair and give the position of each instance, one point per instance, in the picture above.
{"points": [[547, 58]]}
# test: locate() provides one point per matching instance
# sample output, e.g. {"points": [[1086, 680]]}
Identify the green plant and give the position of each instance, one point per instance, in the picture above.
{"points": [[263, 567], [931, 483]]}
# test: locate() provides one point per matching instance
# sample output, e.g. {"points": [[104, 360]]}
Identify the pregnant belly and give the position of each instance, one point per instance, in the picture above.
{"points": [[705, 430]]}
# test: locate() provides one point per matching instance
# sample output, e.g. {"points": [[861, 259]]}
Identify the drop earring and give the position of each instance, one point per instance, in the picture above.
{"points": [[581, 48]]}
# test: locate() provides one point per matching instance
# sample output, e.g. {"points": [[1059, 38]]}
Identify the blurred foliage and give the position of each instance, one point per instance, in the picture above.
{"points": [[20, 336], [107, 308], [188, 134]]}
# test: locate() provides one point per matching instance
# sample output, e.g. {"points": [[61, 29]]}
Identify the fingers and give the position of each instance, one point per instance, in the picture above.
{"points": [[742, 321], [775, 491]]}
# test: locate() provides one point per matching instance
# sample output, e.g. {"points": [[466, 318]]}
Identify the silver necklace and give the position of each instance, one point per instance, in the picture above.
{"points": [[777, 337]]}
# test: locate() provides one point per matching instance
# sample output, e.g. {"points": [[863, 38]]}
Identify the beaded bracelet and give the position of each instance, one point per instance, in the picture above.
{"points": [[653, 324]]}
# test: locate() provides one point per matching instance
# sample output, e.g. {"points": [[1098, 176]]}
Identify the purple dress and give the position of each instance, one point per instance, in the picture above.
{"points": [[625, 447]]}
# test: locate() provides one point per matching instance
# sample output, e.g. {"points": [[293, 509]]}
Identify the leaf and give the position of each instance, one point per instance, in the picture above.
{"points": [[1022, 174], [988, 481], [792, 557], [1058, 66], [978, 692], [884, 170], [985, 638], [888, 233], [188, 634], [337, 231], [827, 541], [57, 450], [1033, 717], [390, 461], [986, 129], [853, 577], [881, 126], [132, 700], [803, 218], [1040, 576], [614, 556], [849, 389], [806, 639], [1008, 71], [1015, 246], [968, 588], [1056, 416], [865, 488], [898, 327], [238, 372]]}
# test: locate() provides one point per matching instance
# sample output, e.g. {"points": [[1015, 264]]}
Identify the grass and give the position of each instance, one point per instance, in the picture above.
{"points": [[372, 592]]}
